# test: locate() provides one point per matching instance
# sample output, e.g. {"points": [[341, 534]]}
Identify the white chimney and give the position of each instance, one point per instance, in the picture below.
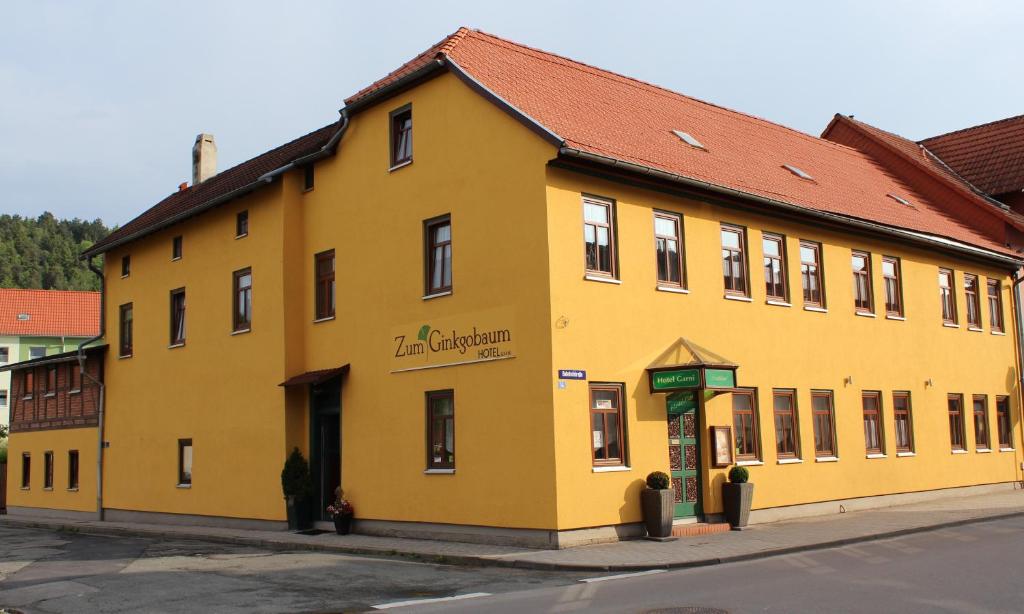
{"points": [[204, 158]]}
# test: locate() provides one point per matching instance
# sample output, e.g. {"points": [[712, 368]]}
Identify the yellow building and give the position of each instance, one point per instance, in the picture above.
{"points": [[568, 279]]}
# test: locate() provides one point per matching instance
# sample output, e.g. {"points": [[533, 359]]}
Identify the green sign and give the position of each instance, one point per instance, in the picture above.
{"points": [[681, 378], [719, 378], [680, 402]]}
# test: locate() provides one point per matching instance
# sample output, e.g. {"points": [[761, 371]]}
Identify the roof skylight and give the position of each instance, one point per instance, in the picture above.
{"points": [[900, 200], [796, 171], [689, 139]]}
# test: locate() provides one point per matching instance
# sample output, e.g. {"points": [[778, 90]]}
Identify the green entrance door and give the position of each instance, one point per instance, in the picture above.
{"points": [[683, 410]]}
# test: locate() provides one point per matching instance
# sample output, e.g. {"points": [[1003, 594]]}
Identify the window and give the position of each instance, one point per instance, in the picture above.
{"points": [[972, 300], [903, 422], [734, 260], [324, 263], [126, 266], [241, 224], [810, 274], [307, 178], [599, 236], [982, 441], [439, 255], [824, 423], [3, 398], [401, 136], [29, 381], [893, 286], [874, 438], [26, 470], [48, 470], [184, 462], [744, 418], [242, 281], [774, 249], [606, 425], [995, 305], [947, 296], [862, 291], [72, 469], [955, 405], [441, 429], [5, 355], [51, 381], [125, 329], [36, 352], [668, 249], [178, 317], [176, 248], [1003, 422], [74, 377], [787, 435]]}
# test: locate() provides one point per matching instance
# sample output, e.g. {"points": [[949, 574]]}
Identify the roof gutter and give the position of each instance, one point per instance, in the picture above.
{"points": [[1009, 262], [394, 87]]}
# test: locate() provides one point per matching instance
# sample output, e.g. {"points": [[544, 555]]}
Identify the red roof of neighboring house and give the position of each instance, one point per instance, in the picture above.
{"points": [[990, 156], [49, 313]]}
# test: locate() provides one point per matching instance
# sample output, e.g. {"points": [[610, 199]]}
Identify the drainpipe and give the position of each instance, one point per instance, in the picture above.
{"points": [[100, 387]]}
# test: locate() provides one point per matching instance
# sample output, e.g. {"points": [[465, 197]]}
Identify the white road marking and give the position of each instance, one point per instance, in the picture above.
{"points": [[402, 604], [624, 575]]}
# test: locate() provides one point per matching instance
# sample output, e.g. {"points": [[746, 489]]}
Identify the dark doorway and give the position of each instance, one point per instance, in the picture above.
{"points": [[325, 443]]}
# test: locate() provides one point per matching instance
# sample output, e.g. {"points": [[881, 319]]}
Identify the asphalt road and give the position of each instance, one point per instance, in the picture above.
{"points": [[973, 568]]}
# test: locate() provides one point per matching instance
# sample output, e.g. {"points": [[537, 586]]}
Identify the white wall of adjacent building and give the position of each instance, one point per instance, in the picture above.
{"points": [[11, 344]]}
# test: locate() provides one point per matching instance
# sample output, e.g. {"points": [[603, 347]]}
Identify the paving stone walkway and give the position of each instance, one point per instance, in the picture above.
{"points": [[758, 541]]}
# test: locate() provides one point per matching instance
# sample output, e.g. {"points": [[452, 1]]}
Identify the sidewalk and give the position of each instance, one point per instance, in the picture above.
{"points": [[758, 541]]}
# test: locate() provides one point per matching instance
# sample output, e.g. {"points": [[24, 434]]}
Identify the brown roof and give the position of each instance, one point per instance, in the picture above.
{"points": [[194, 198], [990, 156], [49, 313]]}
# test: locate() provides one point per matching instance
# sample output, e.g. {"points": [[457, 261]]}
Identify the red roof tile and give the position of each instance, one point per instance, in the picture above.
{"points": [[990, 156], [49, 313]]}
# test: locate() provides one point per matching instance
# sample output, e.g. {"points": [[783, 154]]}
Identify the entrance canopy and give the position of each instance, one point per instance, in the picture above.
{"points": [[688, 366], [315, 377]]}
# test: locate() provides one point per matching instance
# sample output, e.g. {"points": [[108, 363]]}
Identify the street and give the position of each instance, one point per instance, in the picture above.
{"points": [[972, 568]]}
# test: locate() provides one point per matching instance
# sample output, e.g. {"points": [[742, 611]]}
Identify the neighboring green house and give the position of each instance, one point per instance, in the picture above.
{"points": [[36, 323]]}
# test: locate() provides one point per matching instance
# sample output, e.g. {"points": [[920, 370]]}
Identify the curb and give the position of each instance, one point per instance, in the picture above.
{"points": [[469, 560]]}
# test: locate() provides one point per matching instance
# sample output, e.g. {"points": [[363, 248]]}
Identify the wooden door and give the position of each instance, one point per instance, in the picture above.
{"points": [[683, 411]]}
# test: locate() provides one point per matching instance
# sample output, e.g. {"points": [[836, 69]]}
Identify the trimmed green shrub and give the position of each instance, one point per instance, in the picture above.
{"points": [[739, 475], [658, 480], [295, 477]]}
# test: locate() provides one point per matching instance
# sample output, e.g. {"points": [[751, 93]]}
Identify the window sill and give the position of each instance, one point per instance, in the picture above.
{"points": [[876, 456], [984, 450], [176, 259], [778, 303], [975, 329], [175, 345], [48, 489], [827, 459], [427, 297], [611, 469], [734, 297], [602, 279], [672, 289], [897, 318], [1007, 449], [789, 461], [395, 167], [24, 488], [815, 309], [749, 463], [242, 236], [124, 356], [319, 320], [49, 395], [241, 332], [74, 392], [865, 314], [72, 490], [125, 276], [948, 325], [184, 486], [905, 454], [998, 333], [959, 451], [439, 471]]}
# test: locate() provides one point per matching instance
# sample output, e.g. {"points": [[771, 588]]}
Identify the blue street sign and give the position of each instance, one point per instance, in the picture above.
{"points": [[572, 374]]}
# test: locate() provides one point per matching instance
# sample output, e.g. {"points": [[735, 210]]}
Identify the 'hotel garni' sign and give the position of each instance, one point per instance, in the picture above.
{"points": [[687, 378], [456, 340]]}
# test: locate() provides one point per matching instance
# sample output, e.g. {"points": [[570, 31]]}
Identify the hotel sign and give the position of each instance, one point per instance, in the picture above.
{"points": [[692, 378], [456, 340]]}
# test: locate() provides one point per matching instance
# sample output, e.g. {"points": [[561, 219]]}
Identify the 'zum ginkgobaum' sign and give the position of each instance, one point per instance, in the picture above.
{"points": [[455, 340]]}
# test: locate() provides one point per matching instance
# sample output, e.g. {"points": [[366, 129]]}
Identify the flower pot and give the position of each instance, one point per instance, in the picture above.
{"points": [[343, 523], [736, 499], [656, 505], [298, 514]]}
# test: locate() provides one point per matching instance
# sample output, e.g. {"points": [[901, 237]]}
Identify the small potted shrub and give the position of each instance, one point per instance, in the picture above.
{"points": [[737, 496], [656, 503], [297, 486], [341, 512]]}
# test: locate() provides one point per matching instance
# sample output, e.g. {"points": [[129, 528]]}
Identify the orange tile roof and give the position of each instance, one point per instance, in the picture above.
{"points": [[607, 114], [990, 156], [50, 313]]}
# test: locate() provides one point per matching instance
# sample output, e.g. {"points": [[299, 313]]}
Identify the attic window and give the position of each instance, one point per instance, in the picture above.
{"points": [[689, 139], [24, 317], [900, 200], [798, 172]]}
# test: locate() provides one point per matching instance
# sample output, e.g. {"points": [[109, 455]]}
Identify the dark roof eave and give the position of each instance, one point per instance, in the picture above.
{"points": [[55, 358], [1010, 262]]}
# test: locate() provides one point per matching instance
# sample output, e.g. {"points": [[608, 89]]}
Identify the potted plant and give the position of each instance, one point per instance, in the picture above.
{"points": [[656, 503], [297, 486], [737, 495], [341, 512]]}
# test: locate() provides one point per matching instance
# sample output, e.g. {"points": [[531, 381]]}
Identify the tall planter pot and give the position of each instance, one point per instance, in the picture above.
{"points": [[656, 505], [736, 499], [299, 516]]}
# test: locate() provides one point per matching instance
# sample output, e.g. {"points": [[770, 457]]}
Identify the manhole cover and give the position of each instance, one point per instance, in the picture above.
{"points": [[688, 609]]}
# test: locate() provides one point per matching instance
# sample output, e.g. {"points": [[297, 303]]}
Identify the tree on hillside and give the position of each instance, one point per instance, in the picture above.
{"points": [[43, 253]]}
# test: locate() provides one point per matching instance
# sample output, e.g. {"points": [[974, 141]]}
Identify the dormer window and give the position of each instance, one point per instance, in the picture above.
{"points": [[401, 136]]}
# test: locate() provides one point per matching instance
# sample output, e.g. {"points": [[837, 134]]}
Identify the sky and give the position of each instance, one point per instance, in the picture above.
{"points": [[100, 102]]}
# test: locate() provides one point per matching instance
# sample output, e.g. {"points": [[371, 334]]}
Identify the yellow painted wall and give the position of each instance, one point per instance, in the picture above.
{"points": [[615, 331], [58, 441]]}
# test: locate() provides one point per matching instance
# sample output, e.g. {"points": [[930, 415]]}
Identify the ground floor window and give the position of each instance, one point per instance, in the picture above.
{"points": [[73, 470], [441, 429], [787, 435], [184, 462], [744, 418], [824, 423], [48, 470], [874, 440], [903, 422], [981, 436], [955, 406], [1003, 422], [26, 469], [606, 424]]}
